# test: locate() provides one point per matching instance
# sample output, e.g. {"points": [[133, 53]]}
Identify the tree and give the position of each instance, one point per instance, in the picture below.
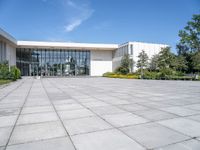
{"points": [[142, 61], [153, 65], [196, 61], [181, 63], [126, 64], [165, 58], [190, 36], [189, 45]]}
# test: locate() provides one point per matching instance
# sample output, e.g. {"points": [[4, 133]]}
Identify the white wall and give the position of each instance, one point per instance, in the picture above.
{"points": [[116, 63], [11, 54], [150, 49], [101, 62]]}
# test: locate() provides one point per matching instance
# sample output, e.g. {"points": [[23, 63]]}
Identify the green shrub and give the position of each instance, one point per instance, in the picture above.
{"points": [[122, 70], [151, 75], [16, 72], [5, 74]]}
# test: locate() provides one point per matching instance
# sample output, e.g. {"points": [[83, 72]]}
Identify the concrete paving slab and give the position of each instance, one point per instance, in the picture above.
{"points": [[186, 145], [193, 107], [195, 117], [154, 114], [9, 111], [95, 104], [84, 125], [155, 104], [68, 107], [106, 110], [133, 107], [37, 109], [124, 119], [2, 148], [37, 118], [86, 100], [180, 111], [4, 135], [51, 144], [7, 120], [62, 102], [73, 114], [35, 132], [153, 135], [30, 103], [185, 126], [105, 140], [117, 101], [11, 105]]}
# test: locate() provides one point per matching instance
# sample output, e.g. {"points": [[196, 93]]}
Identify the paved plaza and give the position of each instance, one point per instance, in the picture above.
{"points": [[99, 114]]}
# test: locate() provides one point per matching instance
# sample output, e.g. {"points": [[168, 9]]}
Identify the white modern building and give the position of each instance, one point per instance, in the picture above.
{"points": [[66, 59]]}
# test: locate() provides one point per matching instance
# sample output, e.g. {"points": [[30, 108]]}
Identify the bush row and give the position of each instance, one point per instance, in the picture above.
{"points": [[5, 74], [151, 75]]}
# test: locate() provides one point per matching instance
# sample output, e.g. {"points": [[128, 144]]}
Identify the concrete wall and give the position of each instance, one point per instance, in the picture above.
{"points": [[7, 51], [11, 54], [101, 62]]}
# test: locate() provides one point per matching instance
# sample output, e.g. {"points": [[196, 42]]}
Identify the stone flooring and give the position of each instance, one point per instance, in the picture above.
{"points": [[99, 114]]}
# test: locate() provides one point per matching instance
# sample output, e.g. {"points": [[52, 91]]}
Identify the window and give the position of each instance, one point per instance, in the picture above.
{"points": [[48, 62], [131, 52]]}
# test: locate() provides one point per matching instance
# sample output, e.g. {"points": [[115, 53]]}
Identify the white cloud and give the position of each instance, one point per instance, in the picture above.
{"points": [[83, 12], [71, 26]]}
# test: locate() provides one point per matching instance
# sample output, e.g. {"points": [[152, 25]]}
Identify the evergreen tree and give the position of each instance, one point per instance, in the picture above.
{"points": [[126, 64], [153, 65], [142, 62], [165, 58]]}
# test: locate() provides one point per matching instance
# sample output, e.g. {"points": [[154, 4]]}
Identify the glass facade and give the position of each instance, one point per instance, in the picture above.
{"points": [[53, 62], [121, 51]]}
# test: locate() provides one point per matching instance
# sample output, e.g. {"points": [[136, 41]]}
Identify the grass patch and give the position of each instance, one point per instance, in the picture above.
{"points": [[4, 81]]}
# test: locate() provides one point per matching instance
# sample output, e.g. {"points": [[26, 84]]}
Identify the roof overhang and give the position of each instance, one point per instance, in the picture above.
{"points": [[7, 37], [65, 45]]}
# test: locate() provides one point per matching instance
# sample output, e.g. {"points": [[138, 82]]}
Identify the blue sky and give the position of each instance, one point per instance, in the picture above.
{"points": [[97, 21]]}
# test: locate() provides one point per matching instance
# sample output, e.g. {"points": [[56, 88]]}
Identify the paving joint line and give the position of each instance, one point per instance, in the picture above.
{"points": [[22, 82], [134, 114], [19, 115], [41, 81], [109, 123]]}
